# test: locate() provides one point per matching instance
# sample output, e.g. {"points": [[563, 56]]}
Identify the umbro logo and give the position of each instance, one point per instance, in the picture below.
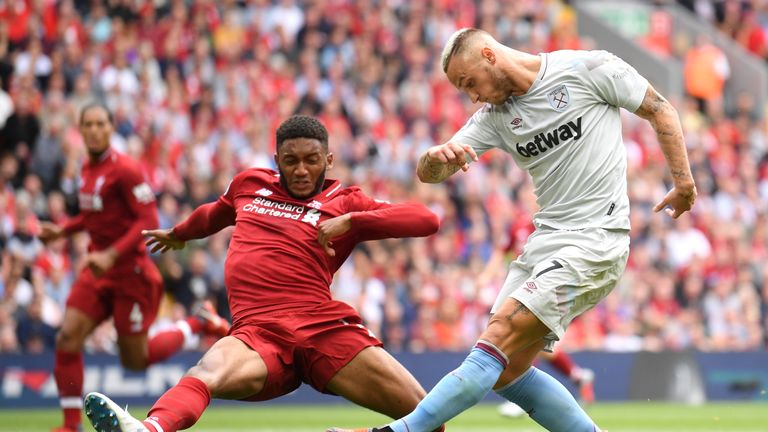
{"points": [[516, 123], [264, 192], [530, 286]]}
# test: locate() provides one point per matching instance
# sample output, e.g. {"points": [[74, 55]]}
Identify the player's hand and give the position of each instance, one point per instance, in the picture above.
{"points": [[679, 199], [101, 261], [49, 232], [333, 228], [162, 240], [452, 154]]}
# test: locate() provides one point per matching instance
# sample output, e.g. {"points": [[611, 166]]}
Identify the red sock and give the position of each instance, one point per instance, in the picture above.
{"points": [[164, 345], [179, 407], [563, 362], [68, 372], [194, 324], [169, 342]]}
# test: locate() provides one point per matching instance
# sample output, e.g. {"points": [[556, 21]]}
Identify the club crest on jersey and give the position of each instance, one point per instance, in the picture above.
{"points": [[559, 98]]}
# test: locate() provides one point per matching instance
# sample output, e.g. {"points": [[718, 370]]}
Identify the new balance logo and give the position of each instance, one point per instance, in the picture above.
{"points": [[312, 217], [264, 192]]}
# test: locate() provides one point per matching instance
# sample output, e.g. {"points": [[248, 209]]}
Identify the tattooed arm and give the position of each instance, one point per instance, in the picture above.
{"points": [[665, 121], [442, 161]]}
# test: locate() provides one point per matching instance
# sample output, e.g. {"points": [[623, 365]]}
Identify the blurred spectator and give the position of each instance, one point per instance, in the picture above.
{"points": [[6, 105], [191, 286], [685, 242], [658, 40], [8, 340], [34, 334], [705, 71], [19, 134]]}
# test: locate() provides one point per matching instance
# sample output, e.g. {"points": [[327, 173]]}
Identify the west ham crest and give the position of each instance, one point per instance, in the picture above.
{"points": [[559, 98]]}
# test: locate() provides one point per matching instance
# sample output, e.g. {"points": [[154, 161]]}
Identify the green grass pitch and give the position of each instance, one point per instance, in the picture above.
{"points": [[612, 417]]}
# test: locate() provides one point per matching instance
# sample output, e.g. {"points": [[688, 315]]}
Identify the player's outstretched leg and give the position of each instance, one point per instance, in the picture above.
{"points": [[384, 429], [107, 416], [582, 377], [457, 391], [547, 402], [511, 410]]}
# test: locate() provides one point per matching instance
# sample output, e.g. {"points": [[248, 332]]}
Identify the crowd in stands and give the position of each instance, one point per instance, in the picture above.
{"points": [[197, 88]]}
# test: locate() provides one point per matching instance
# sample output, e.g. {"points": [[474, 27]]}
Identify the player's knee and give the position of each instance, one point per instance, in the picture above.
{"points": [[499, 331], [515, 368], [210, 377], [68, 340]]}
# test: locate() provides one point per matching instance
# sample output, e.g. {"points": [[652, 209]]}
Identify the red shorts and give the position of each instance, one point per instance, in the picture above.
{"points": [[309, 345], [131, 296]]}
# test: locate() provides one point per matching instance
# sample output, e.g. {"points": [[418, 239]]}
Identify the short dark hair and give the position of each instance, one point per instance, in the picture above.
{"points": [[301, 126], [92, 105]]}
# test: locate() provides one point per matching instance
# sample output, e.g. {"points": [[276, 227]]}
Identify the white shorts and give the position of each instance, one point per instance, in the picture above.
{"points": [[562, 274]]}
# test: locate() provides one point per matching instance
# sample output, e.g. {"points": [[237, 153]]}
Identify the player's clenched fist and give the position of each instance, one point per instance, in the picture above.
{"points": [[452, 154]]}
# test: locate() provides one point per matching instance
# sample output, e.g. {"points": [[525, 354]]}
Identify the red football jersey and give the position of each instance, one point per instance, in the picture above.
{"points": [[274, 261], [116, 203]]}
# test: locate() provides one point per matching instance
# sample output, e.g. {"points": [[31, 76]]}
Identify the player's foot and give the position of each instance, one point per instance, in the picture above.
{"points": [[585, 380], [213, 324], [67, 429], [107, 416], [511, 410]]}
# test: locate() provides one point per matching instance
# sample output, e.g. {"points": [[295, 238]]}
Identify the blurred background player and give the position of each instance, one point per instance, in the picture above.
{"points": [[117, 279], [506, 250], [293, 230]]}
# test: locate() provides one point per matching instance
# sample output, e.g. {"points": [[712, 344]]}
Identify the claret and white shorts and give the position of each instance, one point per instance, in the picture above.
{"points": [[563, 273]]}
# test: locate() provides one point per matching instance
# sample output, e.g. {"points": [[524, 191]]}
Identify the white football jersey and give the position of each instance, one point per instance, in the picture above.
{"points": [[566, 132]]}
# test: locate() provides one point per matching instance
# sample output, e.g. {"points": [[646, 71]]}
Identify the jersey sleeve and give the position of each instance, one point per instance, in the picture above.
{"points": [[479, 131], [615, 81], [375, 219], [74, 224], [209, 218], [141, 200]]}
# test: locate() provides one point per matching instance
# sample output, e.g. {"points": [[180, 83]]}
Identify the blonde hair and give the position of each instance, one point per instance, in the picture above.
{"points": [[457, 43]]}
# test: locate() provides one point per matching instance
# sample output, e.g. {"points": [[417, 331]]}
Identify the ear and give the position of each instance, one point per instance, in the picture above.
{"points": [[329, 161], [489, 55], [277, 160]]}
